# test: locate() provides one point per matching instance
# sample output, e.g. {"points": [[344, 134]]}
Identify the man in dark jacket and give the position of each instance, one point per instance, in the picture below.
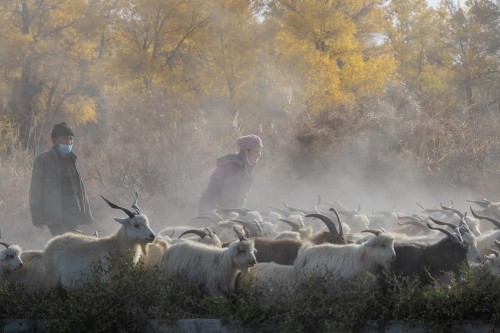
{"points": [[57, 195], [232, 177]]}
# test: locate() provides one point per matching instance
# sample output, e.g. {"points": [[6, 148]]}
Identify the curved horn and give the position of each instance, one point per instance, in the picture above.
{"points": [[5, 244], [341, 231], [295, 210], [295, 226], [240, 211], [495, 252], [205, 217], [456, 228], [281, 211], [115, 206], [210, 232], [446, 232], [326, 220], [375, 232], [492, 220], [429, 210], [497, 243], [411, 218], [483, 203], [415, 224], [456, 211], [451, 225], [198, 232], [249, 225], [224, 225], [239, 234], [135, 206]]}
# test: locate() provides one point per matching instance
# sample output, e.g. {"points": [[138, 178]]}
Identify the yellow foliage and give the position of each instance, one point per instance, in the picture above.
{"points": [[329, 49], [81, 108]]}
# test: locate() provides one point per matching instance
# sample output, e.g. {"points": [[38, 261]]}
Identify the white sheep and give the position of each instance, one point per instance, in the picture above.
{"points": [[71, 258], [215, 270]]}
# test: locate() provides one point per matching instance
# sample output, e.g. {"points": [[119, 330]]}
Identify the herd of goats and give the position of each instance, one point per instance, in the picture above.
{"points": [[271, 251]]}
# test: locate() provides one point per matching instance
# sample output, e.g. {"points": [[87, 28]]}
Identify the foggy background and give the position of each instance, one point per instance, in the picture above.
{"points": [[153, 126]]}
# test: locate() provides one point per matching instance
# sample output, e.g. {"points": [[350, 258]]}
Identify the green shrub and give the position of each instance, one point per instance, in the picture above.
{"points": [[135, 295]]}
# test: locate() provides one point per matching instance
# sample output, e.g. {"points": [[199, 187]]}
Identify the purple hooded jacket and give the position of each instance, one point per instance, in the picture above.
{"points": [[228, 184]]}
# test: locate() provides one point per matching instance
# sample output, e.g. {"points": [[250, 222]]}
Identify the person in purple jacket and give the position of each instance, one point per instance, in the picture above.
{"points": [[232, 178]]}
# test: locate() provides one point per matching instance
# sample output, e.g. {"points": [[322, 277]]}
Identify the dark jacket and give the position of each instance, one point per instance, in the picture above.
{"points": [[46, 193], [228, 184]]}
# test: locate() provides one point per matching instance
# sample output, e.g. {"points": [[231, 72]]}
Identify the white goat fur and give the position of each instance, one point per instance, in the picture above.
{"points": [[70, 258], [32, 275], [10, 260], [155, 251], [348, 260], [213, 269], [487, 240]]}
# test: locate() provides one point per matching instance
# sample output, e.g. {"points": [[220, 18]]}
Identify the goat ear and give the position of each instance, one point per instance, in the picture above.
{"points": [[121, 220]]}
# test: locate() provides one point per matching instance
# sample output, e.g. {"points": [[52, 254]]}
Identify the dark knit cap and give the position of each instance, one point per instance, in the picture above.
{"points": [[61, 129]]}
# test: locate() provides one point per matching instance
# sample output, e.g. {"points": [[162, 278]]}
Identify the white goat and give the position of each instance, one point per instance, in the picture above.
{"points": [[487, 239], [32, 276], [348, 260], [70, 258], [213, 269], [10, 259], [273, 281], [155, 251]]}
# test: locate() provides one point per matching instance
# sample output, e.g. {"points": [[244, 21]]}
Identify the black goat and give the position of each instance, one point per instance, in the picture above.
{"points": [[429, 261]]}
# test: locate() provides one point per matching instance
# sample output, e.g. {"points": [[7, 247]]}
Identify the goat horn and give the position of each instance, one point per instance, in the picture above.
{"points": [[429, 210], [5, 244], [240, 211], [411, 218], [341, 231], [210, 232], [198, 232], [326, 220], [456, 228], [239, 234], [451, 225], [446, 232], [295, 226], [414, 223], [375, 232], [295, 210], [281, 211], [497, 243], [495, 252], [480, 202], [492, 220], [456, 211], [135, 206], [249, 225], [115, 206]]}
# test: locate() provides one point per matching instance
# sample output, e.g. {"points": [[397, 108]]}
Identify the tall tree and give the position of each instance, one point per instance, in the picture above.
{"points": [[51, 46], [331, 52], [474, 40]]}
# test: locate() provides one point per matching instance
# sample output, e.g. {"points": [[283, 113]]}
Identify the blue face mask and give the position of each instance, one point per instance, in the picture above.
{"points": [[64, 149]]}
